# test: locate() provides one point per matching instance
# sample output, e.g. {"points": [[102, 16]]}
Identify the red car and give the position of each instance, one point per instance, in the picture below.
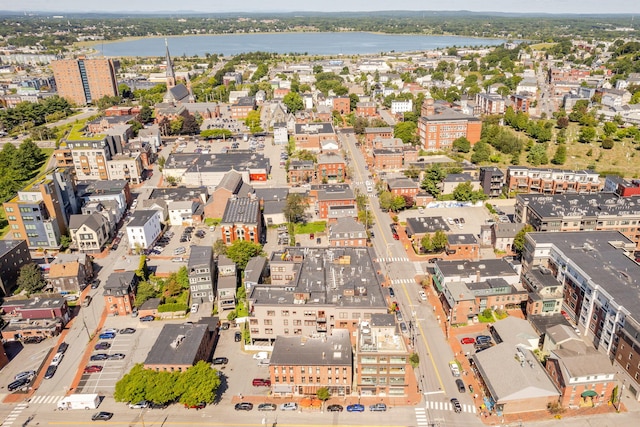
{"points": [[396, 237], [200, 405], [468, 340], [92, 368]]}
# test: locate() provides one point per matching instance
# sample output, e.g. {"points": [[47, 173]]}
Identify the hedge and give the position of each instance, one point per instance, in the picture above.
{"points": [[166, 308]]}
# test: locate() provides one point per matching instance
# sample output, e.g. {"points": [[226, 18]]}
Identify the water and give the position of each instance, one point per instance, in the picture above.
{"points": [[311, 43]]}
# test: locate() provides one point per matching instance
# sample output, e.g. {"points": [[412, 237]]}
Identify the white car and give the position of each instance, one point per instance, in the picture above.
{"points": [[422, 295], [261, 355], [57, 359], [194, 307], [289, 406]]}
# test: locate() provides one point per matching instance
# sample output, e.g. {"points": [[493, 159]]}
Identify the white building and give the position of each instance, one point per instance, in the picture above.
{"points": [[127, 167], [280, 134], [401, 106], [144, 228], [181, 212]]}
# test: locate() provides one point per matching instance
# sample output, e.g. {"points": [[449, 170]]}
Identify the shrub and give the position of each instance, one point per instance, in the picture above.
{"points": [[171, 307]]}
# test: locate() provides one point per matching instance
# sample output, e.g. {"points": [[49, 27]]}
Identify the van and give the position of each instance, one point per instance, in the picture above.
{"points": [[86, 301]]}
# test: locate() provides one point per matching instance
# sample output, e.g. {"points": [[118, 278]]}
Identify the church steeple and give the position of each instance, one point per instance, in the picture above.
{"points": [[171, 76]]}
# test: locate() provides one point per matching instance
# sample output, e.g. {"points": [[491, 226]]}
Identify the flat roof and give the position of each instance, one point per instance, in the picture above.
{"points": [[177, 344], [332, 350], [581, 205]]}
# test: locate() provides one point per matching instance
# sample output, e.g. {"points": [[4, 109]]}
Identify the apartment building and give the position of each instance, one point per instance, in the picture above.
{"points": [[438, 128], [347, 232], [331, 168], [382, 358], [599, 281], [545, 292], [13, 255], [144, 228], [83, 81], [242, 107], [40, 212], [120, 293], [325, 197], [179, 347], [551, 181], [489, 103], [311, 136], [473, 271], [301, 365], [314, 291], [201, 274], [242, 220], [580, 212], [227, 283], [491, 180], [366, 109]]}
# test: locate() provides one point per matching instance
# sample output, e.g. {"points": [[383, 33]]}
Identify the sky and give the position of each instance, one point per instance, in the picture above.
{"points": [[521, 6]]}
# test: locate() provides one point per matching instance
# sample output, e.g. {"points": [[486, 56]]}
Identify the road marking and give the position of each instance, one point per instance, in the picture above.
{"points": [[434, 392], [421, 417]]}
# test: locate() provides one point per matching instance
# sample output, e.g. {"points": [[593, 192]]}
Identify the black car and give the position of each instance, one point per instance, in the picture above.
{"points": [[335, 408], [51, 371], [98, 357], [237, 337], [460, 385], [113, 248], [148, 318], [244, 406], [18, 384], [220, 361], [63, 347], [32, 340], [102, 416], [392, 293], [127, 331], [95, 283], [102, 346], [224, 326], [456, 405], [153, 405]]}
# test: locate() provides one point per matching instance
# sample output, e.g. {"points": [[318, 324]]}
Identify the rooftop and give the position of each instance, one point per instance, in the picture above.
{"points": [[332, 350], [241, 210], [581, 205], [461, 239], [200, 256], [141, 217], [177, 344], [480, 269], [426, 224], [8, 245], [345, 277]]}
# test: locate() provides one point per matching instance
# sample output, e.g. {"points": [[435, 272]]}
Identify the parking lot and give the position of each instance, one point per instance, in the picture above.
{"points": [[29, 358], [469, 218]]}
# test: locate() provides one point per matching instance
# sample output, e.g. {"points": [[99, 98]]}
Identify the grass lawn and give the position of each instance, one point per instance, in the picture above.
{"points": [[310, 227]]}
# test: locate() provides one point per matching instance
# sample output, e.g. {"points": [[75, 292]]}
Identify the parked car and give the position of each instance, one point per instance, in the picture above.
{"points": [[95, 284], [355, 408], [92, 368], [194, 307], [200, 405], [220, 361], [116, 356], [57, 359], [102, 346], [483, 339], [237, 337], [18, 384], [422, 295], [378, 407], [468, 340], [139, 405], [25, 374], [127, 331], [62, 348], [392, 293], [32, 340], [289, 406], [267, 407], [456, 405], [148, 318], [403, 328], [98, 357], [455, 369], [102, 416], [460, 385], [243, 406], [107, 336], [153, 405], [335, 408], [261, 382], [51, 371], [224, 326]]}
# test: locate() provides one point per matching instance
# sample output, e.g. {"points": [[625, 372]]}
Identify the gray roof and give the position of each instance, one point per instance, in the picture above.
{"points": [[459, 177], [507, 230], [150, 304], [7, 246], [426, 224], [447, 114], [118, 283], [141, 217], [185, 353], [379, 130], [88, 188], [508, 379], [461, 239], [334, 350], [200, 256], [353, 283], [179, 193], [178, 93], [582, 360], [515, 331], [56, 301], [314, 128], [580, 205], [609, 267], [335, 192], [277, 193], [224, 261], [254, 269], [273, 207], [394, 183], [346, 225], [324, 158], [301, 165], [241, 210], [227, 282], [378, 319], [231, 181], [485, 268]]}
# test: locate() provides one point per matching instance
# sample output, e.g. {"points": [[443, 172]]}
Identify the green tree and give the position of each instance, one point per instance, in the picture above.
{"points": [[366, 217], [406, 131], [386, 200], [560, 156], [323, 394], [587, 134], [519, 239], [241, 251], [414, 360], [609, 128], [537, 155], [481, 152], [295, 207], [190, 125], [161, 387], [353, 101], [607, 143], [464, 192], [199, 383], [427, 243], [293, 101], [439, 240], [145, 291], [219, 247], [253, 121], [462, 145], [30, 278], [146, 114], [133, 386]]}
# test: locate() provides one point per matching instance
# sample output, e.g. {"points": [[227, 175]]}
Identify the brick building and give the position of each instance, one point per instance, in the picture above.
{"points": [[83, 81], [551, 181], [347, 232], [438, 129], [331, 168], [370, 134], [342, 104], [242, 220], [301, 172], [366, 109], [120, 293], [310, 136], [180, 346], [13, 255], [462, 246], [241, 109], [331, 195]]}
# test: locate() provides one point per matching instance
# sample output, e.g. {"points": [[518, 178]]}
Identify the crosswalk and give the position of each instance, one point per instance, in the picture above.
{"points": [[421, 417], [402, 281], [447, 406], [15, 413], [46, 399], [393, 259]]}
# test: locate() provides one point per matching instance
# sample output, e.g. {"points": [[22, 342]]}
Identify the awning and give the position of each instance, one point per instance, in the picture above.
{"points": [[589, 393], [282, 389]]}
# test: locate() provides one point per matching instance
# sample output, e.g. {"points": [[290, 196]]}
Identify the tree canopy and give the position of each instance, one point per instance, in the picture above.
{"points": [[30, 278], [241, 251]]}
